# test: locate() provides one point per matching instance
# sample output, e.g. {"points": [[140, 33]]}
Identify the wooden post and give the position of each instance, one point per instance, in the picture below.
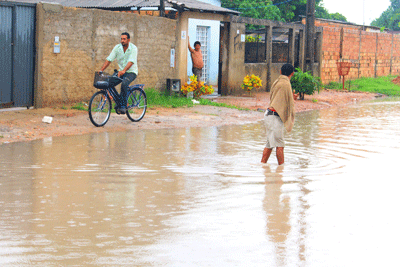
{"points": [[268, 55], [292, 40], [376, 56], [359, 54], [162, 8], [301, 49], [310, 35], [318, 53], [391, 55]]}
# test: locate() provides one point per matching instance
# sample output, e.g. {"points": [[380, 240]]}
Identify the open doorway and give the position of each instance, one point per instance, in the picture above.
{"points": [[207, 32]]}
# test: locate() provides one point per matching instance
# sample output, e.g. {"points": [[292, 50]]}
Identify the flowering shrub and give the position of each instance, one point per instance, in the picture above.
{"points": [[250, 82], [198, 88], [253, 39]]}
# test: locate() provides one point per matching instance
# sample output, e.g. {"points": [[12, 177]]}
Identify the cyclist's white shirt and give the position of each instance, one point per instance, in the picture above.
{"points": [[124, 57]]}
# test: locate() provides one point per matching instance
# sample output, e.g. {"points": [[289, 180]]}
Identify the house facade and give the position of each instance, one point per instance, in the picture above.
{"points": [[84, 36], [207, 32]]}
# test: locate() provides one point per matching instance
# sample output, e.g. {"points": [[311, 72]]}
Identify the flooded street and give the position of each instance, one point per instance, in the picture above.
{"points": [[200, 197]]}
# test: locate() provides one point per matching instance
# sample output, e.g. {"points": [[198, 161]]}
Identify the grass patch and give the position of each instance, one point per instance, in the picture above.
{"points": [[80, 106], [159, 99], [334, 85], [381, 85], [156, 98]]}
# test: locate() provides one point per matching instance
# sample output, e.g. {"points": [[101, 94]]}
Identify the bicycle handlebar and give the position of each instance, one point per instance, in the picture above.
{"points": [[115, 74]]}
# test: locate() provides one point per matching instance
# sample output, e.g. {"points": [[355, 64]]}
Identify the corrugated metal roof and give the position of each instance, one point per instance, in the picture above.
{"points": [[201, 6], [191, 5]]}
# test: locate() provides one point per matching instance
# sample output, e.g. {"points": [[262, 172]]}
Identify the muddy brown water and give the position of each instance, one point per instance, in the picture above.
{"points": [[200, 197]]}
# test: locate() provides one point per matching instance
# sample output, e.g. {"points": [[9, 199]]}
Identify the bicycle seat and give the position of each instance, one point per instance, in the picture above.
{"points": [[101, 85]]}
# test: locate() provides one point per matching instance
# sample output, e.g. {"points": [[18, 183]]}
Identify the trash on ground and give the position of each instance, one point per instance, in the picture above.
{"points": [[47, 119]]}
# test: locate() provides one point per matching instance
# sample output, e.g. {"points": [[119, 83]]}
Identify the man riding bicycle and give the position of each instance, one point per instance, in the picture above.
{"points": [[126, 55]]}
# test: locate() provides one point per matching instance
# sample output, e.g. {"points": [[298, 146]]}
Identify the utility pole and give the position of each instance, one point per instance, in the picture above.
{"points": [[162, 8], [310, 35]]}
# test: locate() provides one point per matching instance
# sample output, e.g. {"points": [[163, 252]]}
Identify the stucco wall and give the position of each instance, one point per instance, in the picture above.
{"points": [[236, 66], [87, 36]]}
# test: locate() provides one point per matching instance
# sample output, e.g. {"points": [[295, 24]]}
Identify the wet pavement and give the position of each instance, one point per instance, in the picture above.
{"points": [[200, 197]]}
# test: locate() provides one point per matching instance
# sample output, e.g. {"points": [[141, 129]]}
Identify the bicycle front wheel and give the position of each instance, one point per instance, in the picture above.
{"points": [[99, 108], [137, 104]]}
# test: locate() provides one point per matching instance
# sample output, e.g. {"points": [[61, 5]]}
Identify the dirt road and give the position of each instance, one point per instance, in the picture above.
{"points": [[25, 125]]}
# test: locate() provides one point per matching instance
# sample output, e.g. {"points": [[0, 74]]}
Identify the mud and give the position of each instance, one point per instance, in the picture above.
{"points": [[25, 125]]}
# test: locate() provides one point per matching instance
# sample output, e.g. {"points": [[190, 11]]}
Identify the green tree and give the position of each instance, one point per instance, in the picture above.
{"points": [[322, 13], [278, 10], [254, 8], [337, 16], [390, 18]]}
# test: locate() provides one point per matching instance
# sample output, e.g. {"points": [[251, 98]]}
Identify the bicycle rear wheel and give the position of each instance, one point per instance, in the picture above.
{"points": [[137, 104], [99, 108]]}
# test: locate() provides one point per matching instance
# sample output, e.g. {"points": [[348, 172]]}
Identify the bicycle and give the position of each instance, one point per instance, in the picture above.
{"points": [[100, 105]]}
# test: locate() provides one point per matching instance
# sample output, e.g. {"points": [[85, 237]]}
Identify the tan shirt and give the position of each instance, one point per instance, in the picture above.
{"points": [[197, 59], [282, 101]]}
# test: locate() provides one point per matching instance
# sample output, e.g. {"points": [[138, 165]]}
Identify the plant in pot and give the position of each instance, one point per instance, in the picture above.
{"points": [[250, 82], [198, 88]]}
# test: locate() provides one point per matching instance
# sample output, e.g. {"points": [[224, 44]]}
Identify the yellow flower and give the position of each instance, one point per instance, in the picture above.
{"points": [[250, 82]]}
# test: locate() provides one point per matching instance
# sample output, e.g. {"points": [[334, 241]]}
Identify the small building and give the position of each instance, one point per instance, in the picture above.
{"points": [[85, 31]]}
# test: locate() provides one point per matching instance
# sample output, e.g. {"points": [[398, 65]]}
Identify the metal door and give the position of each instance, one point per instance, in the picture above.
{"points": [[17, 57], [5, 55]]}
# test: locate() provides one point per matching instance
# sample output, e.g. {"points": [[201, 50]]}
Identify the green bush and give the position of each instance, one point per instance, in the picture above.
{"points": [[305, 83]]}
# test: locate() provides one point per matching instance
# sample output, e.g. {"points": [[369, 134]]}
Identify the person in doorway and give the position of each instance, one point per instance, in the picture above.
{"points": [[126, 55], [280, 114], [197, 59]]}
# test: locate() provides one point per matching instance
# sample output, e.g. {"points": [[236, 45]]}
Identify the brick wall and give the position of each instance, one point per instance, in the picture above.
{"points": [[330, 54], [87, 36], [396, 55], [371, 54]]}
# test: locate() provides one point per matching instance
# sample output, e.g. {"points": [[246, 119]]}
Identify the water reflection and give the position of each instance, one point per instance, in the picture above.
{"points": [[199, 196]]}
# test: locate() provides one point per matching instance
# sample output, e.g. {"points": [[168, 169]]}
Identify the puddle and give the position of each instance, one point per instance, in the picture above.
{"points": [[200, 197]]}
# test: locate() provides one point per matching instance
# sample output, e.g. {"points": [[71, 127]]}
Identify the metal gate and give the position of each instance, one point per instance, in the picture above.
{"points": [[17, 54]]}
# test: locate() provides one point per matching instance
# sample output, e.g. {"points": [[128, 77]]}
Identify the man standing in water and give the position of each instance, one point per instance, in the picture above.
{"points": [[280, 114], [126, 55], [197, 59]]}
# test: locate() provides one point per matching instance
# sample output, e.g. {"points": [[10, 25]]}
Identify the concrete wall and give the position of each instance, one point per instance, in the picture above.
{"points": [[87, 36], [236, 67], [260, 69]]}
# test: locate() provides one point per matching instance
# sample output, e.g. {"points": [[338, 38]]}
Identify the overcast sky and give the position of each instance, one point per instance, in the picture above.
{"points": [[353, 9]]}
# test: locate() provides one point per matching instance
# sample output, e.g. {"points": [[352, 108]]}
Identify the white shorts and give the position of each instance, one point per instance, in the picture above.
{"points": [[275, 131]]}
